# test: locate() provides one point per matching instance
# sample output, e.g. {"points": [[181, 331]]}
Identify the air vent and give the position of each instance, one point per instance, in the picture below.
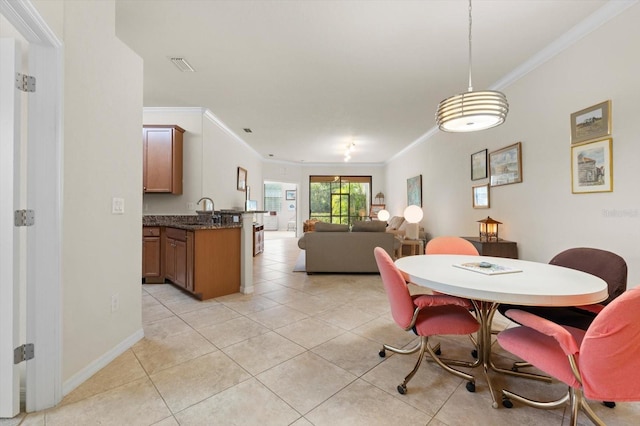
{"points": [[182, 64]]}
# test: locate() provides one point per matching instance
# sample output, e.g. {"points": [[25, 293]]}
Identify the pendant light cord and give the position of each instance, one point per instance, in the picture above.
{"points": [[470, 83]]}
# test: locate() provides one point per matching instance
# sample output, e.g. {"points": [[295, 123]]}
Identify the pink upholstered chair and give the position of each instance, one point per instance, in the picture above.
{"points": [[450, 245], [600, 363], [425, 315], [453, 245]]}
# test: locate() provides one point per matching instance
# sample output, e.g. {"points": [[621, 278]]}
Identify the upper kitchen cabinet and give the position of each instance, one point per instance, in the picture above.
{"points": [[162, 158]]}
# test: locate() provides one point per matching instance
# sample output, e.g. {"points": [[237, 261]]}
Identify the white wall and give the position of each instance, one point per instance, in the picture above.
{"points": [[541, 214], [101, 253], [212, 156]]}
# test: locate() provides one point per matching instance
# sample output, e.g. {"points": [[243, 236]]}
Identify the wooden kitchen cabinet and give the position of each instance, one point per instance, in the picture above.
{"points": [[177, 265], [151, 254], [205, 262], [162, 158]]}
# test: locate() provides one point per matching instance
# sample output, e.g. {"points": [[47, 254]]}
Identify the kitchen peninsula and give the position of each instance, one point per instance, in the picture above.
{"points": [[198, 255]]}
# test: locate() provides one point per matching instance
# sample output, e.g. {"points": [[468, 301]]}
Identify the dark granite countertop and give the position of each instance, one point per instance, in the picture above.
{"points": [[188, 222]]}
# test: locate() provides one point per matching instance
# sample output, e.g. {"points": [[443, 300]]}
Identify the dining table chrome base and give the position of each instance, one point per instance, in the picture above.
{"points": [[484, 313]]}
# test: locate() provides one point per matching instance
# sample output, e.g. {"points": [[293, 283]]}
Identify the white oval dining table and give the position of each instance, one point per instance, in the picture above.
{"points": [[534, 284]]}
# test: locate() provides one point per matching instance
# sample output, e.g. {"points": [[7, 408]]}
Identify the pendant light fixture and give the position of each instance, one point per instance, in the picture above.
{"points": [[472, 111]]}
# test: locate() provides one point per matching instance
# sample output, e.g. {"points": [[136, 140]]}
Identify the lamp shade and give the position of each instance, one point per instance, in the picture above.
{"points": [[413, 214], [383, 215], [472, 111]]}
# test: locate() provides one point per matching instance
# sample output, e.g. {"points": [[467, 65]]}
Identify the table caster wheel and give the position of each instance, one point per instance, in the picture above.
{"points": [[506, 403], [471, 387], [474, 353], [402, 389], [382, 353], [609, 404], [438, 352]]}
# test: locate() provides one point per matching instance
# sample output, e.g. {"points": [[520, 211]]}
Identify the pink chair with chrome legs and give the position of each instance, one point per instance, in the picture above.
{"points": [[601, 363], [425, 315]]}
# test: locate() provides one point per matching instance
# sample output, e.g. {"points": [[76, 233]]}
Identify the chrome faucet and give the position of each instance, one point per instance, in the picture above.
{"points": [[205, 204]]}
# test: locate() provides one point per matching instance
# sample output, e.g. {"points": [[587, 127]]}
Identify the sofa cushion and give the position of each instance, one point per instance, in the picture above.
{"points": [[372, 226], [331, 227], [395, 222]]}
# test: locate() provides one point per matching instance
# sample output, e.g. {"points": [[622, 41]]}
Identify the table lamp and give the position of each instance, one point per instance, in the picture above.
{"points": [[383, 215], [489, 229], [413, 215]]}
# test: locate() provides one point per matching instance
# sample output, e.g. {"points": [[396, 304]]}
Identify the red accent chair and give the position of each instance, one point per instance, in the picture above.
{"points": [[425, 315], [600, 363]]}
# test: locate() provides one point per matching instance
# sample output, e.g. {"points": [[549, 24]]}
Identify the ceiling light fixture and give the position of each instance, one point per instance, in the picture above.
{"points": [[348, 151], [182, 64], [472, 111]]}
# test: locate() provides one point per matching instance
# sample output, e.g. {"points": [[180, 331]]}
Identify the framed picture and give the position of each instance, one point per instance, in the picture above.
{"points": [[591, 123], [479, 165], [242, 179], [481, 196], [592, 167], [290, 194], [414, 191], [375, 208], [505, 165]]}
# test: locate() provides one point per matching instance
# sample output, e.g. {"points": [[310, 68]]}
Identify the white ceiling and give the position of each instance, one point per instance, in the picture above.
{"points": [[308, 77]]}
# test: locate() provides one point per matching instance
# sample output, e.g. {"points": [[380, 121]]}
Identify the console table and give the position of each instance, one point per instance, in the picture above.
{"points": [[500, 248]]}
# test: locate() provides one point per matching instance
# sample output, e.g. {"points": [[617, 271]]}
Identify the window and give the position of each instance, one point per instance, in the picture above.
{"points": [[272, 197], [339, 199]]}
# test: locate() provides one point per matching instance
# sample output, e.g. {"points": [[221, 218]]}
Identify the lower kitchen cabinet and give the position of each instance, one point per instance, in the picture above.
{"points": [[176, 259], [205, 262], [151, 254]]}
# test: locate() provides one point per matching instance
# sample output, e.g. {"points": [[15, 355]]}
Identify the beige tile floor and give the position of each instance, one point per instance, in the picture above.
{"points": [[302, 350]]}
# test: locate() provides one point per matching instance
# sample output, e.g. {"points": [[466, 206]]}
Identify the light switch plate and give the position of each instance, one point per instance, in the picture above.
{"points": [[117, 205]]}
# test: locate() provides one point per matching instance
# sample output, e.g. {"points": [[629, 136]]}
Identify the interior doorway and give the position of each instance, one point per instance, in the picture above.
{"points": [[38, 258], [281, 203]]}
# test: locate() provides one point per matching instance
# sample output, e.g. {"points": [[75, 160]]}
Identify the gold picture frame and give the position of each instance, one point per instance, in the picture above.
{"points": [[505, 165], [242, 179], [480, 196], [591, 123], [592, 167]]}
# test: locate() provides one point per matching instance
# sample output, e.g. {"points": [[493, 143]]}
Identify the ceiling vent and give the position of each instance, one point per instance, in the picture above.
{"points": [[182, 64]]}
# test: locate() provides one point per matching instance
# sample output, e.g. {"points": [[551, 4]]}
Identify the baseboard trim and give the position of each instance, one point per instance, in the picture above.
{"points": [[91, 369]]}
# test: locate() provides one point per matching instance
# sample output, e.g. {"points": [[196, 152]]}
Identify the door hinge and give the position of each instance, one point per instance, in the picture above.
{"points": [[23, 353], [26, 83], [24, 217]]}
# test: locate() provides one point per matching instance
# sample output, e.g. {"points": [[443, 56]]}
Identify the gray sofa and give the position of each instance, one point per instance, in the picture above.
{"points": [[333, 248]]}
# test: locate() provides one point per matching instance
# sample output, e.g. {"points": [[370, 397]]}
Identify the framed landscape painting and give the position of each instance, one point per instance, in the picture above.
{"points": [[481, 196], [479, 165], [505, 165], [591, 123], [592, 167], [414, 191]]}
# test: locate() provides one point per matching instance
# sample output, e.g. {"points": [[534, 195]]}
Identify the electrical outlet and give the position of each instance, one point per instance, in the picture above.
{"points": [[115, 302], [117, 205], [191, 206]]}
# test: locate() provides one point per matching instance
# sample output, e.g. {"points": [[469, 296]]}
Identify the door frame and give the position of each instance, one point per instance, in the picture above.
{"points": [[44, 196]]}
